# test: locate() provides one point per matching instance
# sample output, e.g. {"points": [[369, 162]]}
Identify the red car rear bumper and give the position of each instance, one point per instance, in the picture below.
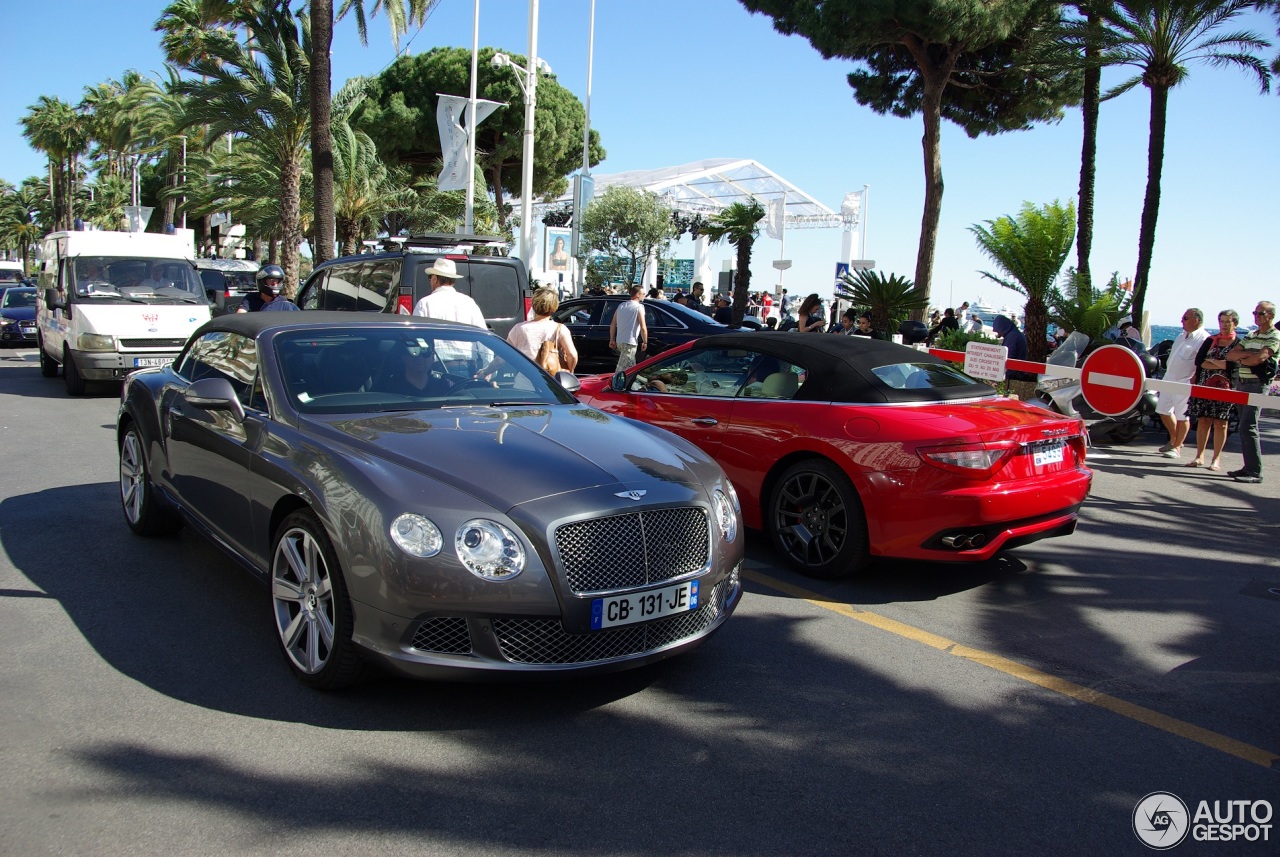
{"points": [[976, 522]]}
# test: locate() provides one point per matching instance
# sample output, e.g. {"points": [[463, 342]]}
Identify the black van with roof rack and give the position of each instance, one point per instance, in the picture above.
{"points": [[395, 278]]}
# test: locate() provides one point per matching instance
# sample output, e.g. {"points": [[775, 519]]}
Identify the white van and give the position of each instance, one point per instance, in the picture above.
{"points": [[10, 274], [111, 302]]}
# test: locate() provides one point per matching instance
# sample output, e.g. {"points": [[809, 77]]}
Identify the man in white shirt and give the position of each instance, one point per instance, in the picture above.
{"points": [[156, 280], [446, 303], [1172, 407], [627, 331]]}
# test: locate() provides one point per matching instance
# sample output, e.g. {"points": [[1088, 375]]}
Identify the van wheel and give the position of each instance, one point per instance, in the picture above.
{"points": [[48, 366], [71, 375]]}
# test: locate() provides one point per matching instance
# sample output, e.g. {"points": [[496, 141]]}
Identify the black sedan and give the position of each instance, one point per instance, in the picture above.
{"points": [[408, 516], [18, 316], [669, 324]]}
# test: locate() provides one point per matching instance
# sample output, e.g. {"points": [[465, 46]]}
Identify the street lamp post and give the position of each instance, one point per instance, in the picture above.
{"points": [[529, 86]]}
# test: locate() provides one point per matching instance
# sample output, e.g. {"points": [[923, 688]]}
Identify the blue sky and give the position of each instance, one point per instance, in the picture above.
{"points": [[677, 81]]}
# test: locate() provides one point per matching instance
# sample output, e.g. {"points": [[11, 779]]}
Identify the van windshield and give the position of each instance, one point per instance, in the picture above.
{"points": [[113, 279]]}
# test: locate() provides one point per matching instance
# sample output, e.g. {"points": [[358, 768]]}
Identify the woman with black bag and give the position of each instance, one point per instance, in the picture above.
{"points": [[1212, 370]]}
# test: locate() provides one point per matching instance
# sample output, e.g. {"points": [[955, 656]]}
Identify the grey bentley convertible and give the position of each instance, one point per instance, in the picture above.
{"points": [[420, 496]]}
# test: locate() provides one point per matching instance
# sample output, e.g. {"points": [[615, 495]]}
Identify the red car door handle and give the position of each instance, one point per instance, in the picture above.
{"points": [[705, 421]]}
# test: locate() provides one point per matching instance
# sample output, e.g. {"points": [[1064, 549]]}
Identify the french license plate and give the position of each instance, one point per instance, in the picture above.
{"points": [[152, 361], [643, 606], [1049, 454]]}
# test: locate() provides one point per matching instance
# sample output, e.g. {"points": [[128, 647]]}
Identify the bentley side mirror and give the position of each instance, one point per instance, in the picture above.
{"points": [[215, 394]]}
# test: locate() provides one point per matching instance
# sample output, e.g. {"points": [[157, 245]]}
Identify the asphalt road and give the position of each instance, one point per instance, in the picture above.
{"points": [[1020, 706]]}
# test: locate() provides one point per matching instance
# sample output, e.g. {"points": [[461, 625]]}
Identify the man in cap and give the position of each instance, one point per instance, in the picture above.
{"points": [[724, 310], [446, 303]]}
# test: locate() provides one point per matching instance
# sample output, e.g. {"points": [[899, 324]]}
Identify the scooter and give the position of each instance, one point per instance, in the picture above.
{"points": [[1063, 394]]}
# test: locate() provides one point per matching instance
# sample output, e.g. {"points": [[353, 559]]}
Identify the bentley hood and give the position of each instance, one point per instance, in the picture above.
{"points": [[506, 457]]}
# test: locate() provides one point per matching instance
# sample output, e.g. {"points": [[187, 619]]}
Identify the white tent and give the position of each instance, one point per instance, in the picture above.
{"points": [[708, 186]]}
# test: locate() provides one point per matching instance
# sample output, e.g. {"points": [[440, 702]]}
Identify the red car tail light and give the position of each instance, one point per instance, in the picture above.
{"points": [[974, 460], [404, 305]]}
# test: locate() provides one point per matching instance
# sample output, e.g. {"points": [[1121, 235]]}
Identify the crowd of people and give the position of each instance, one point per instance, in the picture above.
{"points": [[1226, 361]]}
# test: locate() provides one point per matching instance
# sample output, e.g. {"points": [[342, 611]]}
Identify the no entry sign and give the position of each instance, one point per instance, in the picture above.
{"points": [[1111, 380]]}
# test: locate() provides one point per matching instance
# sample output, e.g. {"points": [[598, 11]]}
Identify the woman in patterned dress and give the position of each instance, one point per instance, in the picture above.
{"points": [[1212, 370]]}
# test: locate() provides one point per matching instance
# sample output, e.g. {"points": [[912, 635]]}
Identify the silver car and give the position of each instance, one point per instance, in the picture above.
{"points": [[420, 496]]}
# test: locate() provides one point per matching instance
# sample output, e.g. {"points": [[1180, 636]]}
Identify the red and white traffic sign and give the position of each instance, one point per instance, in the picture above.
{"points": [[1111, 380]]}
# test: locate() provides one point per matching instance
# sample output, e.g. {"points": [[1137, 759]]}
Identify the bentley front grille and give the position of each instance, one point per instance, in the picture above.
{"points": [[634, 549], [545, 641]]}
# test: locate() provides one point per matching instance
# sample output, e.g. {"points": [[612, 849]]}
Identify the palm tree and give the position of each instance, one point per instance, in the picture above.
{"points": [[891, 300], [322, 153], [363, 190], [1030, 249], [20, 226], [264, 99], [1088, 40], [1086, 309], [191, 27], [738, 222], [157, 112], [1160, 38], [56, 128]]}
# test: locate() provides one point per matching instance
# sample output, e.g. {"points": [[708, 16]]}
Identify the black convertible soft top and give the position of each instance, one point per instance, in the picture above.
{"points": [[252, 324], [840, 367]]}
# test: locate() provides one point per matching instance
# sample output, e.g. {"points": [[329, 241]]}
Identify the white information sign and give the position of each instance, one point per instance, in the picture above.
{"points": [[985, 361]]}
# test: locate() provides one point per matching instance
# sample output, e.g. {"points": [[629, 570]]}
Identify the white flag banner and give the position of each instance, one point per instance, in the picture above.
{"points": [[852, 205], [137, 216], [773, 221], [453, 138]]}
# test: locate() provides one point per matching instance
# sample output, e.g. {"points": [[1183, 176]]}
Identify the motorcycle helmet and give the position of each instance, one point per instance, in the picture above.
{"points": [[270, 272]]}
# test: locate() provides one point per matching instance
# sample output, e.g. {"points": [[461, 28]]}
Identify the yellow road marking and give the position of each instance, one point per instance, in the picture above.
{"points": [[1172, 725]]}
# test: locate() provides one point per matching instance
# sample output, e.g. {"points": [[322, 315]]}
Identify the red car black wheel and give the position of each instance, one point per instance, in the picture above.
{"points": [[816, 520]]}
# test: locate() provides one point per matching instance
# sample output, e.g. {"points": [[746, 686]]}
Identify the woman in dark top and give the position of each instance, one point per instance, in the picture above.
{"points": [[1214, 371], [863, 327], [811, 319]]}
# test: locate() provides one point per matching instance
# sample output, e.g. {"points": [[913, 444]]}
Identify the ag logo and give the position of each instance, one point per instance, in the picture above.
{"points": [[1161, 820]]}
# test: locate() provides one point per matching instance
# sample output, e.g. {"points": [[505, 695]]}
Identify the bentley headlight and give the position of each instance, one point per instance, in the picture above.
{"points": [[489, 550], [726, 514], [416, 536], [96, 342]]}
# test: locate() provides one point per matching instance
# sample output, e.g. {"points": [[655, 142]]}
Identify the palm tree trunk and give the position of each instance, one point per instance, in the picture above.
{"points": [[290, 220], [1088, 158], [321, 139], [1037, 325], [1151, 204], [931, 110], [742, 280]]}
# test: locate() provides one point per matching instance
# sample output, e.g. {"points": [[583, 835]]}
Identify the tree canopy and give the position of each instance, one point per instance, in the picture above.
{"points": [[626, 225], [982, 65], [400, 117]]}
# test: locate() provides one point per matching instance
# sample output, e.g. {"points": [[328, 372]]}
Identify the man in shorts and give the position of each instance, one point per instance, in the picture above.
{"points": [[627, 330], [1172, 407]]}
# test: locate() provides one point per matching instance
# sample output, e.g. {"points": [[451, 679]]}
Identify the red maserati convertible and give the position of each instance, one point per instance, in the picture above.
{"points": [[842, 448]]}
